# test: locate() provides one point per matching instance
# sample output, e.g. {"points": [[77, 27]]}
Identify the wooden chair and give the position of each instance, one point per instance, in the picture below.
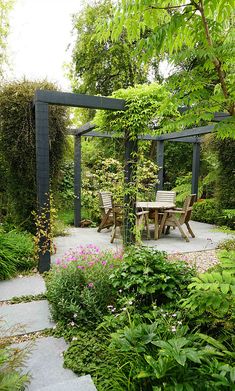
{"points": [[106, 207], [163, 196], [179, 216], [166, 196], [141, 221]]}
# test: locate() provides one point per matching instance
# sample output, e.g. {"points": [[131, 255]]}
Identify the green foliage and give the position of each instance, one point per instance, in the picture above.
{"points": [[16, 253], [213, 293], [147, 276], [198, 34], [227, 218], [87, 270], [18, 145], [226, 173], [228, 245], [11, 364], [144, 104], [206, 211], [102, 67]]}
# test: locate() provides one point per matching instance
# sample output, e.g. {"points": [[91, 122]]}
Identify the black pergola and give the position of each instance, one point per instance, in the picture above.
{"points": [[43, 98]]}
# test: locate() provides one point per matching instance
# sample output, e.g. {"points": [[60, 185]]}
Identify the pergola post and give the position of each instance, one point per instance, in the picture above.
{"points": [[160, 163], [43, 181], [130, 168], [77, 181], [195, 168]]}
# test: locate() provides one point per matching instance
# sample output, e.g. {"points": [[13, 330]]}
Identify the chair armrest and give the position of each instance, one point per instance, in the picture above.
{"points": [[144, 212], [173, 211]]}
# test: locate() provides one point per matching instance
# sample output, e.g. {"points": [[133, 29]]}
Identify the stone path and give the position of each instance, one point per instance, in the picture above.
{"points": [[45, 362]]}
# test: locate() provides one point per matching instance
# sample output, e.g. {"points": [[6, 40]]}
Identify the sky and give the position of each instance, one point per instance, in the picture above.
{"points": [[40, 33]]}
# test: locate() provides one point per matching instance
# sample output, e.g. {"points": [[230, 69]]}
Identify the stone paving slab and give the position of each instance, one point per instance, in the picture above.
{"points": [[22, 286], [207, 238], [45, 364], [83, 383], [25, 318]]}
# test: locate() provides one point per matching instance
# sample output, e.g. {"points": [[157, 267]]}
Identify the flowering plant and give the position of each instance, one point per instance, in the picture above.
{"points": [[79, 287]]}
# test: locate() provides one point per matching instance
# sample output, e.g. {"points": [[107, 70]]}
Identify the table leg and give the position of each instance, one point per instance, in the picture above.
{"points": [[156, 224]]}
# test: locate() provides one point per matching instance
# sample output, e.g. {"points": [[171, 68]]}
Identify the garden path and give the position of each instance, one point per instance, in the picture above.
{"points": [[24, 323]]}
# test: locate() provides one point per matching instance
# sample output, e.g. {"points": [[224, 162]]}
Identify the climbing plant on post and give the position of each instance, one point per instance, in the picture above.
{"points": [[144, 104]]}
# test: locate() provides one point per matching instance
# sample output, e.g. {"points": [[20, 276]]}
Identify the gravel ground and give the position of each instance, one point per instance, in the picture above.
{"points": [[202, 260]]}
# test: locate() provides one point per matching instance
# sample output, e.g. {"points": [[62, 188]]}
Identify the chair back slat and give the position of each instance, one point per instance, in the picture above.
{"points": [[106, 201], [166, 196], [188, 207]]}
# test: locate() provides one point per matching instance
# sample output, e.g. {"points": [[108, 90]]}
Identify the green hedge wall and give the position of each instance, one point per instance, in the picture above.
{"points": [[18, 146], [226, 175]]}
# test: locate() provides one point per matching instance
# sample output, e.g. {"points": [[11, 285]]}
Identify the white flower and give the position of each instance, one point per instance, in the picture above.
{"points": [[173, 329], [120, 291], [54, 327], [179, 322], [72, 323], [174, 315], [164, 315], [74, 339], [130, 302], [113, 310], [75, 315], [124, 309]]}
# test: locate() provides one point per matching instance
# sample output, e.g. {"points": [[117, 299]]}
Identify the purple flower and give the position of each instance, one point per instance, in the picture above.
{"points": [[80, 267], [90, 285]]}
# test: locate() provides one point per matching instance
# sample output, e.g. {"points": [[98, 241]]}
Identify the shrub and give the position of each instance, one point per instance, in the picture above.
{"points": [[227, 218], [149, 277], [213, 293], [206, 211], [18, 145], [79, 288], [16, 253]]}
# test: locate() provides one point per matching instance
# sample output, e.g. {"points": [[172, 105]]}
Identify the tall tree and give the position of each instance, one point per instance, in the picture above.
{"points": [[101, 67], [5, 7], [181, 30]]}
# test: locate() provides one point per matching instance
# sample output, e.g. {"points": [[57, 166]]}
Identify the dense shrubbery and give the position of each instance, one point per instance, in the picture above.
{"points": [[206, 211], [18, 145], [16, 253], [104, 174], [210, 211], [155, 334]]}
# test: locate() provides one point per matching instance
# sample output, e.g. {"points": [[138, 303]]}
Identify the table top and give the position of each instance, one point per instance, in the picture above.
{"points": [[154, 205]]}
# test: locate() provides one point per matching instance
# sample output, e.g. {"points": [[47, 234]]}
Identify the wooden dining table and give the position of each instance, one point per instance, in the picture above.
{"points": [[155, 206]]}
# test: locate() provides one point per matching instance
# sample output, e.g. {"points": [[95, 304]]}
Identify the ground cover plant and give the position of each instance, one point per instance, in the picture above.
{"points": [[163, 328], [16, 253]]}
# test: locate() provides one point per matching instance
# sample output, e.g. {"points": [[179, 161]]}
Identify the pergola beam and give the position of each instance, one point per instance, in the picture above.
{"points": [[78, 100], [84, 132]]}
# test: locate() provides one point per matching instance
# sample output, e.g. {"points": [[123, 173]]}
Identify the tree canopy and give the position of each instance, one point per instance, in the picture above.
{"points": [[102, 67], [201, 30]]}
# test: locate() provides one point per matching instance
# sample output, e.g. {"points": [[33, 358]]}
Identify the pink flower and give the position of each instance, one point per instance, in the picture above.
{"points": [[91, 263], [64, 266], [104, 263], [90, 285], [80, 267], [58, 261]]}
